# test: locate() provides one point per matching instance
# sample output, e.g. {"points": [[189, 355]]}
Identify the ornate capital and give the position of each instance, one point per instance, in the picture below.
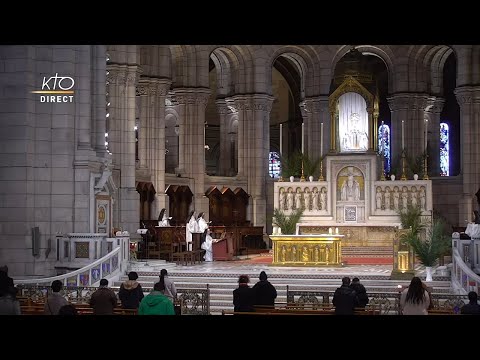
{"points": [[263, 103], [221, 106], [435, 104], [467, 95], [408, 101]]}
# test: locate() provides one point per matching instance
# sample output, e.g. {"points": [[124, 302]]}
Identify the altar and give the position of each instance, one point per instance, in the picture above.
{"points": [[307, 250]]}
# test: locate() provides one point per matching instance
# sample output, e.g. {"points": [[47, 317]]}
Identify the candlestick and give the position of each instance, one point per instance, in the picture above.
{"points": [[403, 134], [281, 143], [303, 137], [426, 134], [321, 139]]}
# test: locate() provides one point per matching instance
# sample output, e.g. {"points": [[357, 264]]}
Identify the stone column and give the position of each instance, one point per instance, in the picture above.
{"points": [[468, 98], [432, 111], [99, 110], [159, 89], [239, 102], [122, 80], [142, 92], [225, 146], [409, 107], [314, 113], [192, 107]]}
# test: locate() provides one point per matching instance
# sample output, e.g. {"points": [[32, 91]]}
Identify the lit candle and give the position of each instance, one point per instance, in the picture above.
{"points": [[321, 139], [303, 137], [426, 132], [281, 144], [403, 134], [336, 230]]}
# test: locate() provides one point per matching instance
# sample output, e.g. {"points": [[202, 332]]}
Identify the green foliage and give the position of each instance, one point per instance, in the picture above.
{"points": [[286, 223], [435, 244], [292, 165], [311, 166], [414, 165], [411, 218]]}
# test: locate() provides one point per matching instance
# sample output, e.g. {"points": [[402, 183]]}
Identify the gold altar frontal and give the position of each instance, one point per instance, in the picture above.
{"points": [[307, 250]]}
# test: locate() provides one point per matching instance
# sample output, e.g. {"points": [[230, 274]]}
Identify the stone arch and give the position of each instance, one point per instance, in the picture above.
{"points": [[383, 52], [303, 58]]}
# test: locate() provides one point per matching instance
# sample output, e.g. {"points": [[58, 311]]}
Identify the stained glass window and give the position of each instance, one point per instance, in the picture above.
{"points": [[274, 164], [444, 150], [384, 144]]}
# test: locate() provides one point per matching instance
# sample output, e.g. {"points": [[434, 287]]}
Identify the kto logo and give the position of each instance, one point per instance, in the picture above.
{"points": [[57, 89]]}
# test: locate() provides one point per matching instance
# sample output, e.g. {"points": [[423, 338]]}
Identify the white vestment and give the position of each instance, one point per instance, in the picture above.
{"points": [[190, 228], [202, 225], [207, 246], [164, 221]]}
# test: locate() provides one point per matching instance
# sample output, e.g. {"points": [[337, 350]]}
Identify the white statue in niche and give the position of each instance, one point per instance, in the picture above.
{"points": [[378, 198], [387, 198], [396, 198], [414, 196], [350, 189], [290, 199], [315, 199], [307, 197], [404, 198], [353, 122], [282, 199], [323, 199], [422, 198], [298, 197]]}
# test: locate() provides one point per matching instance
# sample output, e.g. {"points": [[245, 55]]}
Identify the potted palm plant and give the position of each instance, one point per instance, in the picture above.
{"points": [[291, 165], [429, 250], [311, 166], [287, 224]]}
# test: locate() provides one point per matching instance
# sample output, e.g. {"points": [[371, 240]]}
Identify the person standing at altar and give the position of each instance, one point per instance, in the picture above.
{"points": [[265, 292], [192, 227], [202, 226], [243, 296], [163, 219]]}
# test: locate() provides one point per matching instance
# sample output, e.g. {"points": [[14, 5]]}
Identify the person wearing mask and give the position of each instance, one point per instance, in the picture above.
{"points": [[131, 292], [415, 299], [265, 292]]}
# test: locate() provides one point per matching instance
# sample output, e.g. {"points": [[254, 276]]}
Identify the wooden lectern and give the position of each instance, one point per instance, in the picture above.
{"points": [[223, 249]]}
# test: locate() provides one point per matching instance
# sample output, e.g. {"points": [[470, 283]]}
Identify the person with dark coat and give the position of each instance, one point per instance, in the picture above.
{"points": [[472, 308], [9, 305], [345, 298], [361, 292], [11, 287], [243, 296], [265, 292], [104, 300], [131, 292]]}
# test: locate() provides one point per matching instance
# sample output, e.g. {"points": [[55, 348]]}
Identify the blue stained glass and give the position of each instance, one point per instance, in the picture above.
{"points": [[384, 145], [444, 150], [274, 164]]}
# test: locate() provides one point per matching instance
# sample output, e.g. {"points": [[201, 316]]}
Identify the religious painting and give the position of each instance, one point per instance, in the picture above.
{"points": [[350, 185], [352, 123], [102, 216]]}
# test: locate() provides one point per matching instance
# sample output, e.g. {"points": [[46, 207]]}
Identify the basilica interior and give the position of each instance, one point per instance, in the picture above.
{"points": [[98, 139]]}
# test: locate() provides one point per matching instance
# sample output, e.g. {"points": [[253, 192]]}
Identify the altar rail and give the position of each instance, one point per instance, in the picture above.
{"points": [[388, 303], [109, 266], [463, 277], [191, 301]]}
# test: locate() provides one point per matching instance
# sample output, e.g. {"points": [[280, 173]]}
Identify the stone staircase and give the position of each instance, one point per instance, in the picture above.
{"points": [[222, 282]]}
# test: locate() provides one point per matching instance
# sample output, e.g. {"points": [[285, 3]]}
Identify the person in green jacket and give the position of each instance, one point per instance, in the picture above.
{"points": [[156, 303]]}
